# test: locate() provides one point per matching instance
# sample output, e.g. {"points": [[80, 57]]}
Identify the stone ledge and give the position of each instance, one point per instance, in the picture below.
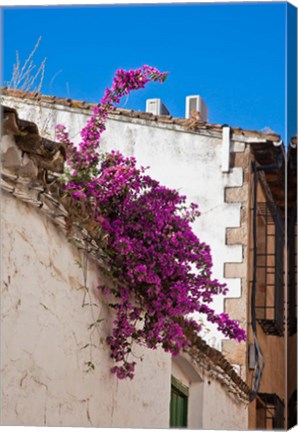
{"points": [[236, 236], [237, 308], [236, 194], [235, 270]]}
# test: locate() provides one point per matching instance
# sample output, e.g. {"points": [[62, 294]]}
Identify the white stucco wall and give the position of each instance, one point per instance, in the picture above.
{"points": [[220, 411], [189, 162], [44, 329]]}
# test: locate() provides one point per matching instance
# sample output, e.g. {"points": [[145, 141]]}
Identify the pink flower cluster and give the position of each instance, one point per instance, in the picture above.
{"points": [[163, 270], [85, 157]]}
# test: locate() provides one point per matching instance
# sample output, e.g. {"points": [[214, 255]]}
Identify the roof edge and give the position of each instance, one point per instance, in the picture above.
{"points": [[188, 124]]}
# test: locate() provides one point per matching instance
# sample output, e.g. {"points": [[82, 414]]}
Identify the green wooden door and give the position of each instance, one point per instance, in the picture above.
{"points": [[178, 406]]}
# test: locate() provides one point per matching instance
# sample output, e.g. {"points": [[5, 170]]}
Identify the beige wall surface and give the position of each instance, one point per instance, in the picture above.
{"points": [[220, 411], [44, 329]]}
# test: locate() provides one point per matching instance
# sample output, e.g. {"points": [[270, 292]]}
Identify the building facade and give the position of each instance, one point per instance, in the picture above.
{"points": [[237, 178], [49, 300]]}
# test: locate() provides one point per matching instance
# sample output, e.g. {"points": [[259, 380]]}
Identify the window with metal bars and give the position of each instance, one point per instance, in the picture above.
{"points": [[270, 412], [270, 269]]}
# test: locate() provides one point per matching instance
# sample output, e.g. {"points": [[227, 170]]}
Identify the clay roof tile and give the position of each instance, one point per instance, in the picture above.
{"points": [[199, 125]]}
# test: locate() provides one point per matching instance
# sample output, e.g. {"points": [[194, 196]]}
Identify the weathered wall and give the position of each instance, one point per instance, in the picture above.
{"points": [[44, 329], [226, 413], [238, 307], [189, 162]]}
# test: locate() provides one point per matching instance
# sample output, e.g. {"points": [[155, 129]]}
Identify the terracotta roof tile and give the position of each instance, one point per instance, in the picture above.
{"points": [[188, 124], [215, 358], [45, 153]]}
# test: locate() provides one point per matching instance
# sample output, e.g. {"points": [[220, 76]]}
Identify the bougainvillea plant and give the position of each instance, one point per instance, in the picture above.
{"points": [[163, 270]]}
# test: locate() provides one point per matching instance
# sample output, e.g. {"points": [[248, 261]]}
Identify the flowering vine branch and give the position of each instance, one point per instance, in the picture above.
{"points": [[163, 270]]}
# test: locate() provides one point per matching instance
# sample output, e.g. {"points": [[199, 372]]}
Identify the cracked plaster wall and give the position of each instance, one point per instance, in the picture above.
{"points": [[44, 329], [190, 163]]}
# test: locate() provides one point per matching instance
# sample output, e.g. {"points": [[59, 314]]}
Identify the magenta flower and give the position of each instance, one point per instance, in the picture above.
{"points": [[164, 271]]}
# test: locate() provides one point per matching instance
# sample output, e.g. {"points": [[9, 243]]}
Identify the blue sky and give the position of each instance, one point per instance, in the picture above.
{"points": [[233, 55]]}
